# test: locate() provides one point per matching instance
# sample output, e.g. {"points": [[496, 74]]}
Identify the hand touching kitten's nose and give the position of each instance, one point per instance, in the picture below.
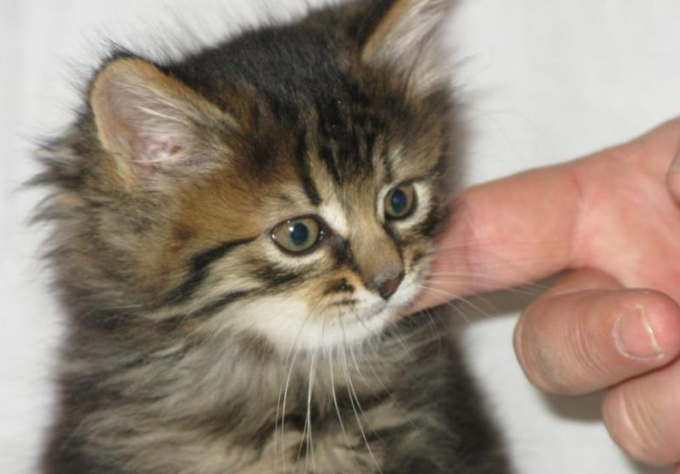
{"points": [[614, 322]]}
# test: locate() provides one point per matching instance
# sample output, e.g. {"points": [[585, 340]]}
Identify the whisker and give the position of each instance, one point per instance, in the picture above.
{"points": [[282, 403], [527, 288], [351, 392], [491, 243], [335, 403], [384, 387], [308, 422], [447, 301], [337, 407], [283, 412], [435, 330]]}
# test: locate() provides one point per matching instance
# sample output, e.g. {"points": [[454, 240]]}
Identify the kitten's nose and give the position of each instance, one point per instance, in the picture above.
{"points": [[388, 287]]}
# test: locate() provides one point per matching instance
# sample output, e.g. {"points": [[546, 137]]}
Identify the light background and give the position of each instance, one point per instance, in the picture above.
{"points": [[544, 80]]}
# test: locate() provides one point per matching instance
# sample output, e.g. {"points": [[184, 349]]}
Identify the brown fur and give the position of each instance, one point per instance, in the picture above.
{"points": [[197, 344]]}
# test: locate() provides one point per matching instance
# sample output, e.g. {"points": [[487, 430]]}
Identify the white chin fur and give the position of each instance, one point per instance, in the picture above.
{"points": [[290, 325]]}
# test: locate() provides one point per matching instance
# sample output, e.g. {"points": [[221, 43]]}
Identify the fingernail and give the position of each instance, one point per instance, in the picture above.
{"points": [[634, 336]]}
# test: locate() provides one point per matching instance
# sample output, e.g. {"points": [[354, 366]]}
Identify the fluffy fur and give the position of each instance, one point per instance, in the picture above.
{"points": [[197, 345]]}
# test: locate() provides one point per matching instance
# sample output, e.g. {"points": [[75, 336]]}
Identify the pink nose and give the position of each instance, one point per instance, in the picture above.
{"points": [[388, 287]]}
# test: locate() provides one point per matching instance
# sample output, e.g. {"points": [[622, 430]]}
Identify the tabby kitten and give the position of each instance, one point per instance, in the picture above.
{"points": [[235, 234]]}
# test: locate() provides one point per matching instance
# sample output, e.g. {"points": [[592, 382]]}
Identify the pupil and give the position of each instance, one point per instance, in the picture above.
{"points": [[398, 201], [299, 233]]}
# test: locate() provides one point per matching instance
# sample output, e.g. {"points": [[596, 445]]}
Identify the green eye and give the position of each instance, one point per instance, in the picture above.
{"points": [[297, 235], [400, 202]]}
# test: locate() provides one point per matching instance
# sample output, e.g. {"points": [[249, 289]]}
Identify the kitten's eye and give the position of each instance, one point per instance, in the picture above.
{"points": [[400, 202], [297, 235]]}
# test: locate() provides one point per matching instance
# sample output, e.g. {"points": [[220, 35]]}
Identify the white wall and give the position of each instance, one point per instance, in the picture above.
{"points": [[545, 81]]}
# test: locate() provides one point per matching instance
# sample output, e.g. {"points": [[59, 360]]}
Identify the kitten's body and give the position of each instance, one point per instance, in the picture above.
{"points": [[415, 408], [198, 346]]}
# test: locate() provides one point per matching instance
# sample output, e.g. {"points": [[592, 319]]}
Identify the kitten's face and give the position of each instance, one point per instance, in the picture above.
{"points": [[285, 185], [329, 246]]}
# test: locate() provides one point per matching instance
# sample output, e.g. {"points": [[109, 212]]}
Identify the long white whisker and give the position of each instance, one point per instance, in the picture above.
{"points": [[308, 422], [283, 391], [294, 349], [283, 412], [352, 393], [335, 403]]}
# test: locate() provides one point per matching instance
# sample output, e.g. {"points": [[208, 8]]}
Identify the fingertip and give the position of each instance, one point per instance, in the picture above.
{"points": [[623, 422], [647, 328], [578, 338], [665, 324], [642, 417]]}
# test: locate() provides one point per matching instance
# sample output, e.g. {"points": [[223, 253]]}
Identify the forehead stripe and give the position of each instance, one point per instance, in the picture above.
{"points": [[328, 159], [304, 172], [387, 165]]}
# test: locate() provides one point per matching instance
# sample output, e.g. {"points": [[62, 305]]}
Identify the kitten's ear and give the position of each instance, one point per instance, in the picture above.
{"points": [[401, 34], [149, 120]]}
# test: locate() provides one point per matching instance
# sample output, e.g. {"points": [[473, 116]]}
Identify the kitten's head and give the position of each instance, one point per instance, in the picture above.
{"points": [[285, 185]]}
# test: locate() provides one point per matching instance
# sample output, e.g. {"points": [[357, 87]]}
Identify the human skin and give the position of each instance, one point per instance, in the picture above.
{"points": [[611, 222]]}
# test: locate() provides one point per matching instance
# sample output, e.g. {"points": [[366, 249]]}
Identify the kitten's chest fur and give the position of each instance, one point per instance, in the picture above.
{"points": [[388, 407]]}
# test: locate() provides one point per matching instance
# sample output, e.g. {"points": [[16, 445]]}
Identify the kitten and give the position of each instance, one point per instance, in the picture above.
{"points": [[235, 235]]}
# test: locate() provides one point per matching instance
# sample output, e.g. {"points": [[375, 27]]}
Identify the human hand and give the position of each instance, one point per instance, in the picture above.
{"points": [[613, 323]]}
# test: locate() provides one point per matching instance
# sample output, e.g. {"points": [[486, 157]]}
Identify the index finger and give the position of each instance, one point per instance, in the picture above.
{"points": [[527, 227], [505, 233]]}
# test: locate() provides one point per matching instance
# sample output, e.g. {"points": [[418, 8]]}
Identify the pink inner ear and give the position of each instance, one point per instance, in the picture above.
{"points": [[148, 121], [149, 118], [151, 151]]}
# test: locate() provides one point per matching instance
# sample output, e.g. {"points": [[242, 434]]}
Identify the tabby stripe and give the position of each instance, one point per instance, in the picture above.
{"points": [[342, 253], [417, 257], [277, 278], [357, 96], [331, 124], [271, 276], [352, 148], [200, 266], [304, 171], [387, 165], [283, 110], [210, 309], [370, 145], [326, 155], [432, 224]]}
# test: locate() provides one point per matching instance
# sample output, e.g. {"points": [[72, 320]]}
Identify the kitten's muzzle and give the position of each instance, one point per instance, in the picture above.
{"points": [[389, 287]]}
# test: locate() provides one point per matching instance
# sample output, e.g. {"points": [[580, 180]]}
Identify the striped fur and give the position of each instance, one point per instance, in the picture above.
{"points": [[198, 346]]}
